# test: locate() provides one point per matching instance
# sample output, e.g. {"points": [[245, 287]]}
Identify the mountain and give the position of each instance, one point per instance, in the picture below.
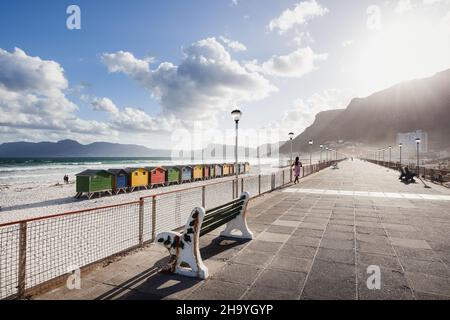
{"points": [[422, 104], [71, 148]]}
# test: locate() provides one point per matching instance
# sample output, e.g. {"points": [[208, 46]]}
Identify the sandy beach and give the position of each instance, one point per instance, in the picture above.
{"points": [[19, 202]]}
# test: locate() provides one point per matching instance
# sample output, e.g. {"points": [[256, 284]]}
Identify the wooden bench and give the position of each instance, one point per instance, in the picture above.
{"points": [[184, 246]]}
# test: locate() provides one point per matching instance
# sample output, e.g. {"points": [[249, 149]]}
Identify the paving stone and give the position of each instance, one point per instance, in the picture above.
{"points": [[264, 246], [297, 251], [429, 284], [286, 223], [273, 237], [238, 273], [304, 241], [388, 262], [290, 264], [218, 290], [308, 232], [375, 248], [333, 255], [410, 243], [280, 229], [254, 258], [337, 244], [423, 266], [281, 280], [264, 293], [338, 235]]}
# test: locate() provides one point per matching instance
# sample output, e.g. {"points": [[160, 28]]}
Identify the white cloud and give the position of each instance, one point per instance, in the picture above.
{"points": [[300, 15], [233, 45], [303, 112], [206, 81], [295, 64], [104, 104], [32, 96]]}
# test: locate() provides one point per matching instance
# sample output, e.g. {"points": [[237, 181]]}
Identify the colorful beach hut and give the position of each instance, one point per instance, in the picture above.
{"points": [[206, 172], [157, 176], [212, 171], [137, 178], [91, 182], [173, 175], [247, 167], [120, 180], [198, 172], [218, 170], [225, 170], [186, 173]]}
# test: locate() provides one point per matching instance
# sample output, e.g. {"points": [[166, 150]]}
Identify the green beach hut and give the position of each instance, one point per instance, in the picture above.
{"points": [[91, 182], [173, 175]]}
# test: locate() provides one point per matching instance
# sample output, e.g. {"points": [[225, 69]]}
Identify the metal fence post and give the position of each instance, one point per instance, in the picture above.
{"points": [[203, 196], [259, 184], [242, 185], [22, 260], [153, 218], [141, 221], [283, 177], [232, 189]]}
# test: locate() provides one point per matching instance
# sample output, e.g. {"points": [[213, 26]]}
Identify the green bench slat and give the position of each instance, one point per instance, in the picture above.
{"points": [[224, 205], [216, 225], [211, 215], [221, 217]]}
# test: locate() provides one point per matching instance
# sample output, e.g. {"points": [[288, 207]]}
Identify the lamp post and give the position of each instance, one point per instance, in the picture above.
{"points": [[383, 155], [321, 149], [390, 155], [400, 146], [236, 115], [291, 137], [311, 142], [418, 144]]}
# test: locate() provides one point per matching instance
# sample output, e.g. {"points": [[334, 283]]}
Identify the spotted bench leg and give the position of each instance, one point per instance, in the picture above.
{"points": [[184, 247]]}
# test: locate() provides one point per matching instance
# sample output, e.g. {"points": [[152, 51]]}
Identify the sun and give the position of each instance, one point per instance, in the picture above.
{"points": [[403, 49]]}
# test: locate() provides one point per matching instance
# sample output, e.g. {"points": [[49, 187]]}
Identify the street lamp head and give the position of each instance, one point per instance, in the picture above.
{"points": [[418, 140], [321, 146], [236, 114], [390, 147], [311, 142], [291, 135], [400, 145]]}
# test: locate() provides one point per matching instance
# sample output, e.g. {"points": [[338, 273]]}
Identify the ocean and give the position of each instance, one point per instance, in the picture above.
{"points": [[25, 172]]}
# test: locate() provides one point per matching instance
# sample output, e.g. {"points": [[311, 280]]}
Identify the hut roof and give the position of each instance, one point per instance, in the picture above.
{"points": [[128, 170], [91, 172], [153, 168], [117, 171], [186, 166]]}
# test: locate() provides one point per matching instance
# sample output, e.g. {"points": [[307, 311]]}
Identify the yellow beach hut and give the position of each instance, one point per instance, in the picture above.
{"points": [[226, 170], [198, 172], [137, 178]]}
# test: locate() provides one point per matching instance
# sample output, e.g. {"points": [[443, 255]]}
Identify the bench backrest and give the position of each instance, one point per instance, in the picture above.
{"points": [[216, 217]]}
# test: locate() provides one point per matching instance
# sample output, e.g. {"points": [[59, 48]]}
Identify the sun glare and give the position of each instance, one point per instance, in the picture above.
{"points": [[403, 50]]}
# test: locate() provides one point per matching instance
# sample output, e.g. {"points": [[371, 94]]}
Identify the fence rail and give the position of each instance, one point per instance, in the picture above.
{"points": [[434, 175], [36, 253]]}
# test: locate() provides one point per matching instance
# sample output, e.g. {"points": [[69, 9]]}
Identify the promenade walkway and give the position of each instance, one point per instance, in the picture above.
{"points": [[314, 240]]}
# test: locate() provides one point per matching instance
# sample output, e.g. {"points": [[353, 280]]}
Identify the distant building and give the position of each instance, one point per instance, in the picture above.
{"points": [[409, 140]]}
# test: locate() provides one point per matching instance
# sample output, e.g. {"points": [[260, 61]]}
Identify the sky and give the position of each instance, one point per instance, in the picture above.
{"points": [[156, 72]]}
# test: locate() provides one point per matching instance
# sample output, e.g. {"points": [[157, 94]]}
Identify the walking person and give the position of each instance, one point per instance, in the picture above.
{"points": [[297, 165]]}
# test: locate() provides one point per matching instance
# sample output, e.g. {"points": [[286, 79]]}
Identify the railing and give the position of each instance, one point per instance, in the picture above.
{"points": [[434, 175], [36, 254]]}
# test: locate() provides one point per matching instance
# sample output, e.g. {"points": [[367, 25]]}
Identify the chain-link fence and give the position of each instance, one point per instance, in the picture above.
{"points": [[37, 252]]}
